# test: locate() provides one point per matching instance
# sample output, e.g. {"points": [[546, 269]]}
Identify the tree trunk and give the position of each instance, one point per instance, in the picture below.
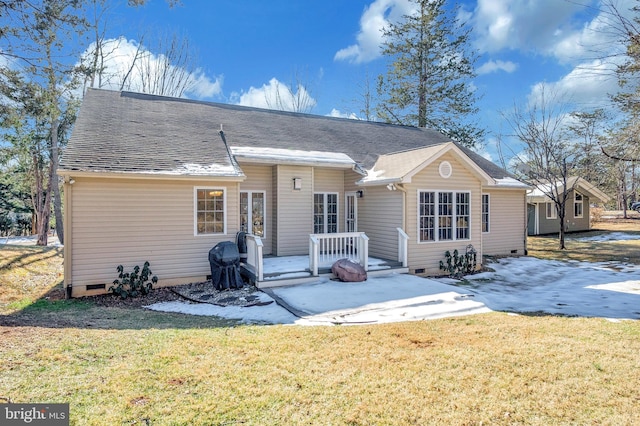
{"points": [[42, 203], [561, 216], [54, 183]]}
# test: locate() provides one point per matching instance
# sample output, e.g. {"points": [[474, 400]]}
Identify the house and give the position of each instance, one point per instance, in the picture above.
{"points": [[542, 216], [158, 179]]}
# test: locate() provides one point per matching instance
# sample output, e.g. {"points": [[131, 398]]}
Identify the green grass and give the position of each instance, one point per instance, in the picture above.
{"points": [[125, 366]]}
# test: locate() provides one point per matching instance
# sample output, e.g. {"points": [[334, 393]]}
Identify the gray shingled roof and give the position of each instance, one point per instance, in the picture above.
{"points": [[133, 132]]}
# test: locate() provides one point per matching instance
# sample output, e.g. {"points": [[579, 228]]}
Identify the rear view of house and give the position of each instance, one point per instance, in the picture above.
{"points": [[150, 178]]}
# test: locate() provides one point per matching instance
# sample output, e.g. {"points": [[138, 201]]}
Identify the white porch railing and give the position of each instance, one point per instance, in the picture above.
{"points": [[327, 248], [254, 256], [403, 247]]}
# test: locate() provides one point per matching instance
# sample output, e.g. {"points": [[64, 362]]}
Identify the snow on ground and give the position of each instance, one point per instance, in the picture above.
{"points": [[518, 284], [29, 240], [527, 284], [610, 236], [388, 298]]}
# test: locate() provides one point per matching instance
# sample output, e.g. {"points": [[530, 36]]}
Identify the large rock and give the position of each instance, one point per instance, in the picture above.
{"points": [[349, 271]]}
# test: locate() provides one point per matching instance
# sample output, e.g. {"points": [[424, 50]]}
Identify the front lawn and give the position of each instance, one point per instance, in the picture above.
{"points": [[124, 365]]}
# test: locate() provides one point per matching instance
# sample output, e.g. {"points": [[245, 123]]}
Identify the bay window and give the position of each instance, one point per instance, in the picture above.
{"points": [[444, 215]]}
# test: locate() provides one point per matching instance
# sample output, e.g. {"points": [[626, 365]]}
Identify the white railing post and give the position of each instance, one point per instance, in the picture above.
{"points": [[363, 252], [314, 255], [403, 247], [327, 248], [254, 256]]}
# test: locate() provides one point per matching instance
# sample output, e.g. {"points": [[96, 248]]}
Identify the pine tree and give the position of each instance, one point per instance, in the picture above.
{"points": [[428, 79]]}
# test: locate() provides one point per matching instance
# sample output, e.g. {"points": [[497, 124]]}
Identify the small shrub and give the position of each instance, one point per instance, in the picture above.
{"points": [[135, 283], [596, 214], [458, 265]]}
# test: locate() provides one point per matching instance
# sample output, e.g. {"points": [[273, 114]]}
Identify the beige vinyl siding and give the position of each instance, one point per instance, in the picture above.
{"points": [[294, 221], [350, 179], [128, 222], [427, 255], [259, 178], [507, 222], [379, 214]]}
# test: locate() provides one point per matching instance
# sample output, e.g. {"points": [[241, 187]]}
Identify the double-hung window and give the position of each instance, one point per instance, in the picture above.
{"points": [[551, 211], [325, 213], [252, 212], [485, 212], [578, 205], [210, 211], [444, 215]]}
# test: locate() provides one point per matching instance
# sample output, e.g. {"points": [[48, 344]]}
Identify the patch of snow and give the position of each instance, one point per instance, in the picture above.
{"points": [[271, 313], [292, 155], [373, 175], [197, 170], [610, 236], [30, 240], [527, 284], [511, 183], [520, 284]]}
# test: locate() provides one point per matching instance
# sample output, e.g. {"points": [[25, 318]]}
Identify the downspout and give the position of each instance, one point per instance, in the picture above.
{"points": [[400, 186], [67, 247]]}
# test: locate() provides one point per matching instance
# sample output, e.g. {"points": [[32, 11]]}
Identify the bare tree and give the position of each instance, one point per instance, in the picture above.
{"points": [[167, 73], [295, 97], [549, 157], [166, 66]]}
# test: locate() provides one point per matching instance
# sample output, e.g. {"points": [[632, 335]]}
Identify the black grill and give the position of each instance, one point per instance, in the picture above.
{"points": [[224, 260]]}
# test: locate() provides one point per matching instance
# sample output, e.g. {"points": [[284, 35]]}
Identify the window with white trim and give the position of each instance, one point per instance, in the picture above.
{"points": [[444, 215], [325, 213], [551, 211], [252, 212], [210, 211], [578, 204], [427, 216], [462, 216], [485, 212]]}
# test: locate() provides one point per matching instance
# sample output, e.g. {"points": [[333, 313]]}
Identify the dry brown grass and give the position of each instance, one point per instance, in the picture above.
{"points": [[487, 369], [546, 247], [27, 274]]}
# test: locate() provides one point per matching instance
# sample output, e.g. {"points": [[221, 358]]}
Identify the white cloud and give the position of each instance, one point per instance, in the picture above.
{"points": [[522, 24], [587, 85], [494, 66], [276, 95], [204, 87], [373, 20], [337, 113], [120, 54]]}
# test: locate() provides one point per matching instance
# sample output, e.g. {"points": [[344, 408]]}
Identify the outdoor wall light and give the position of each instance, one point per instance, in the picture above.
{"points": [[360, 193], [72, 181], [297, 183]]}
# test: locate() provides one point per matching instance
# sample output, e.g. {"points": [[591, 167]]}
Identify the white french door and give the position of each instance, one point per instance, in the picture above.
{"points": [[351, 212]]}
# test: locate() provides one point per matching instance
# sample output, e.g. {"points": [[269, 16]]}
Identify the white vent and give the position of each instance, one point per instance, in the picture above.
{"points": [[445, 169]]}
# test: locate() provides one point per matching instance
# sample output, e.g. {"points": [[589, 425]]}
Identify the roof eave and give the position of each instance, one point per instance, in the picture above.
{"points": [[152, 176]]}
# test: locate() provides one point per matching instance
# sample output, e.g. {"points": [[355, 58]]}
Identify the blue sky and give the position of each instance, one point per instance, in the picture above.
{"points": [[247, 47]]}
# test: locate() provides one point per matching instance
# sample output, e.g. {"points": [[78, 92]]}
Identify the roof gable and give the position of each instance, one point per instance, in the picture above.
{"points": [[579, 184], [400, 167]]}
